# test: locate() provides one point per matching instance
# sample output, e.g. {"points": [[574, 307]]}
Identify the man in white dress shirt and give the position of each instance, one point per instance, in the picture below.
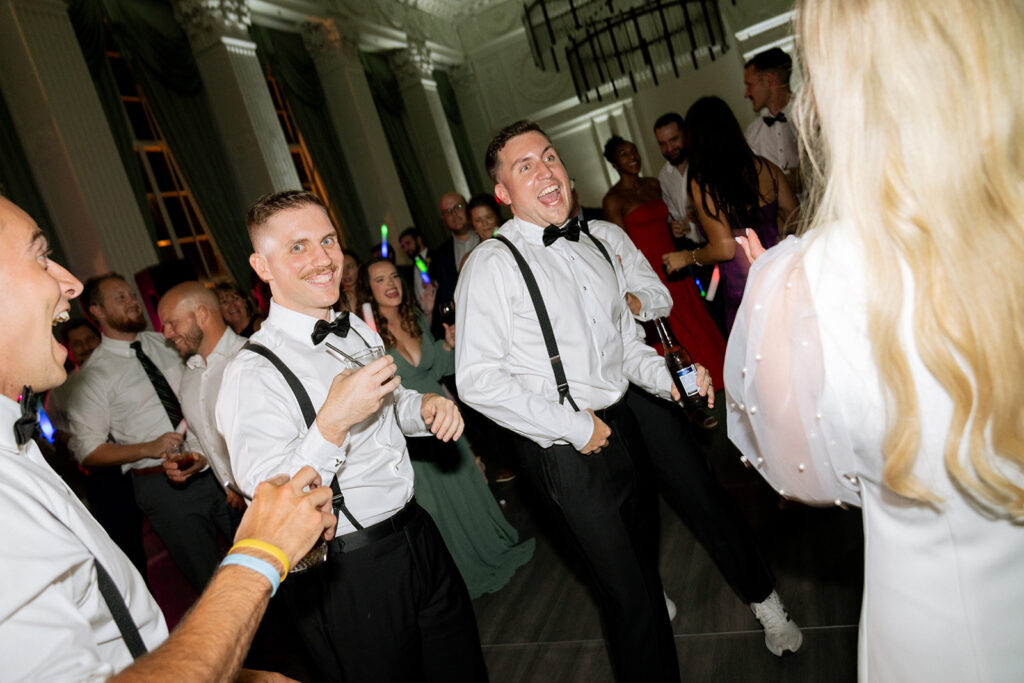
{"points": [[772, 136], [55, 621], [121, 415], [192, 322], [668, 131], [674, 180], [389, 603], [580, 460]]}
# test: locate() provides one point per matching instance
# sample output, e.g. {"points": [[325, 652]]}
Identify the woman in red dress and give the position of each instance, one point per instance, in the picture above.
{"points": [[635, 205]]}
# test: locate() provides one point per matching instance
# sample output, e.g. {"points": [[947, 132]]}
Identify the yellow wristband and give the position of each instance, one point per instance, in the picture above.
{"points": [[267, 548]]}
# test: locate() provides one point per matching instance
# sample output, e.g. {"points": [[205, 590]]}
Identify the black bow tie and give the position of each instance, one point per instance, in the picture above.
{"points": [[340, 327], [770, 120], [570, 231], [26, 426]]}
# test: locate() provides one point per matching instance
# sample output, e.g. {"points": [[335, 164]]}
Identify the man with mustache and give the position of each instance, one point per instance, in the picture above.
{"points": [[192, 323], [124, 410], [578, 434], [388, 604], [56, 613]]}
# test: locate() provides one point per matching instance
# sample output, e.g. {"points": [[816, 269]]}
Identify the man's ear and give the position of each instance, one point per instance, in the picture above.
{"points": [[259, 264], [502, 195], [93, 313], [202, 314]]}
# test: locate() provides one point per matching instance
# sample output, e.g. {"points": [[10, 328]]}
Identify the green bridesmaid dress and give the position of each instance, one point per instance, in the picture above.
{"points": [[485, 546]]}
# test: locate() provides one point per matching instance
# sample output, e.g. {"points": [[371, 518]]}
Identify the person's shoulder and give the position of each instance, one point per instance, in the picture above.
{"points": [[607, 231], [754, 126]]}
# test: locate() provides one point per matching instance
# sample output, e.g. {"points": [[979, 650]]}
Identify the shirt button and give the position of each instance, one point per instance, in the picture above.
{"points": [[593, 321], [584, 288]]}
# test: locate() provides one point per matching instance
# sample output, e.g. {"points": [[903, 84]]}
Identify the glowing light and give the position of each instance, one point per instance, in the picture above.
{"points": [[44, 423], [368, 316], [713, 287], [422, 267], [384, 240]]}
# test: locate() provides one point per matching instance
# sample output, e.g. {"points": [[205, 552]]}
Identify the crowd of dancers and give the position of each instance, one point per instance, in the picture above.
{"points": [[316, 424]]}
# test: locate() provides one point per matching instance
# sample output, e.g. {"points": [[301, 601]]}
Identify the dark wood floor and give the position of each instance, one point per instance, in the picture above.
{"points": [[544, 627]]}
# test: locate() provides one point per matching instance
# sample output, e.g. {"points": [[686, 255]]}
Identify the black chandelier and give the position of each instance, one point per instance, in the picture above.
{"points": [[605, 41]]}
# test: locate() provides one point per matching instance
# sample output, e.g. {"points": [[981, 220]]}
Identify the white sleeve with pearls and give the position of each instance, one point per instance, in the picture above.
{"points": [[779, 415]]}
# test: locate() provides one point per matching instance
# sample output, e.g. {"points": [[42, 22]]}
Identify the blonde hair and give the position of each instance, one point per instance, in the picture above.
{"points": [[914, 127]]}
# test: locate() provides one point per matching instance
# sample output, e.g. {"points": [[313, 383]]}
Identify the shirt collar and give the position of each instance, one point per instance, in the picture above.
{"points": [[298, 326], [532, 233], [118, 347], [9, 412]]}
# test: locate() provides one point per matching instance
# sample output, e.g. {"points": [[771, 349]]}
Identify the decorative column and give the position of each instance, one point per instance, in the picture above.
{"points": [[236, 88], [428, 126], [479, 128], [67, 140], [350, 105]]}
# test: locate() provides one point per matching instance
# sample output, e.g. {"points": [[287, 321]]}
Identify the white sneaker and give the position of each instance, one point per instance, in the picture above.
{"points": [[780, 632], [670, 606]]}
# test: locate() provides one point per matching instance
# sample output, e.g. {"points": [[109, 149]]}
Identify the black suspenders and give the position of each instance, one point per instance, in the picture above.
{"points": [[308, 414], [561, 383]]}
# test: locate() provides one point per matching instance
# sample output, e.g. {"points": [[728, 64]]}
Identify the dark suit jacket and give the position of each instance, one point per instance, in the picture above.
{"points": [[443, 272]]}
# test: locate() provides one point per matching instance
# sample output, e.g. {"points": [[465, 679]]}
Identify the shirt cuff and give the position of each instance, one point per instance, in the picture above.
{"points": [[581, 431], [324, 456]]}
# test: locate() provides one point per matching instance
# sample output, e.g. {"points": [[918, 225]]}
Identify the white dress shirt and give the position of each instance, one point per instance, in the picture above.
{"points": [[54, 623], [502, 366], [199, 388], [674, 186], [266, 434], [641, 280], [776, 143], [114, 396]]}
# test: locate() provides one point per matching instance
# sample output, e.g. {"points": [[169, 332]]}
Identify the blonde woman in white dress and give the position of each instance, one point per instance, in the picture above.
{"points": [[878, 360]]}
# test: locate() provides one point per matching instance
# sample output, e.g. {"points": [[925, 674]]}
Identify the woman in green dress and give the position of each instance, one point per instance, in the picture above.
{"points": [[449, 485]]}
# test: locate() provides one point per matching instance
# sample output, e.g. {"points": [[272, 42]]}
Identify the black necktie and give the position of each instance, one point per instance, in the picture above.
{"points": [[770, 120], [323, 328], [159, 382], [570, 231], [26, 426]]}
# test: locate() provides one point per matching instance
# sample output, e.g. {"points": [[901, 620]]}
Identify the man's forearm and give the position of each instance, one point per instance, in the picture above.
{"points": [[211, 642], [117, 454]]}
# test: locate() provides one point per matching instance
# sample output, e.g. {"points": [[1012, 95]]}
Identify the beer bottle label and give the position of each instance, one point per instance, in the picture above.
{"points": [[688, 378]]}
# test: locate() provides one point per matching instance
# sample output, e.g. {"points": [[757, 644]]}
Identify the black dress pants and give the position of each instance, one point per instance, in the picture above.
{"points": [[189, 518], [691, 486], [396, 610], [112, 501], [601, 503]]}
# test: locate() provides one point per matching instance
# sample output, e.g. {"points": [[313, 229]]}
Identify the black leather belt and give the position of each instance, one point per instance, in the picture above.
{"points": [[615, 410], [375, 532]]}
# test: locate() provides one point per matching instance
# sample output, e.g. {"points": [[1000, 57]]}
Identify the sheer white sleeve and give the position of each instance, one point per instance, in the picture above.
{"points": [[779, 414]]}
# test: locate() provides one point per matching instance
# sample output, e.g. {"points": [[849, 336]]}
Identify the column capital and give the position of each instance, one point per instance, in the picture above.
{"points": [[413, 64], [207, 22], [324, 38], [462, 76]]}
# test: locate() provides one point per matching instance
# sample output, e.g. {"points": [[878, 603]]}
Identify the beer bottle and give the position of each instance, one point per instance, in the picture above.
{"points": [[679, 364]]}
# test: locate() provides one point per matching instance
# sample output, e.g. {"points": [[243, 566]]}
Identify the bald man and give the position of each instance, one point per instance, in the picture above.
{"points": [[192, 322]]}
